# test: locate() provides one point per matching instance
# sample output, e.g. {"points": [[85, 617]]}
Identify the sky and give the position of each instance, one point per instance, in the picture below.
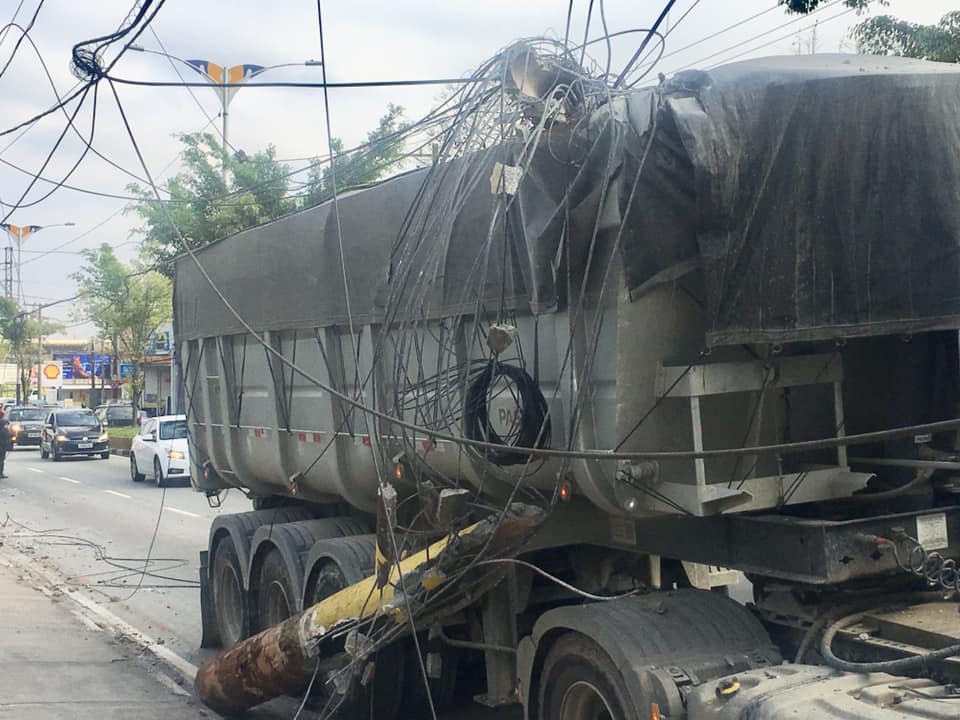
{"points": [[364, 40]]}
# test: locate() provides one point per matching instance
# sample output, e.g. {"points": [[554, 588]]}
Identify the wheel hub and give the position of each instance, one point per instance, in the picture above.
{"points": [[230, 602], [584, 701]]}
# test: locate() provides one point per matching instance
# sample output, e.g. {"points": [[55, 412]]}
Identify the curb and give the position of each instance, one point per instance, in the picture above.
{"points": [[120, 452]]}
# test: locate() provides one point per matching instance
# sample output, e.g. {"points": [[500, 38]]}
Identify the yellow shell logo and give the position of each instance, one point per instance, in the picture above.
{"points": [[51, 371]]}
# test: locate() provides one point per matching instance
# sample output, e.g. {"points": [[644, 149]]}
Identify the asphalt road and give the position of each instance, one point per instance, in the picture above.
{"points": [[87, 521]]}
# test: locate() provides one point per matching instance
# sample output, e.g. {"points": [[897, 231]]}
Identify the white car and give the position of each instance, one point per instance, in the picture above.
{"points": [[160, 448]]}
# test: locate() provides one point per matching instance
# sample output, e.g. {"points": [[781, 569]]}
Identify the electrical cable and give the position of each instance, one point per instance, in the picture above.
{"points": [[29, 27], [554, 579], [900, 665]]}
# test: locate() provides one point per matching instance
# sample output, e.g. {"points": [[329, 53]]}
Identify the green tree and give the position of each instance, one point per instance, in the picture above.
{"points": [[808, 6], [887, 35], [205, 203], [125, 304], [22, 332], [381, 151]]}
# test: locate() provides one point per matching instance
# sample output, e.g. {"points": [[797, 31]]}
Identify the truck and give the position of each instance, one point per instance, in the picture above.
{"points": [[636, 403]]}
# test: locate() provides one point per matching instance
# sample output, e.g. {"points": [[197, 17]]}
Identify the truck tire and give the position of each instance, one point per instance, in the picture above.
{"points": [[276, 595], [229, 597], [579, 681], [381, 698]]}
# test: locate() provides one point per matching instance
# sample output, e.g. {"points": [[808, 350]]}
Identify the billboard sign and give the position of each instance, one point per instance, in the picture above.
{"points": [[80, 366]]}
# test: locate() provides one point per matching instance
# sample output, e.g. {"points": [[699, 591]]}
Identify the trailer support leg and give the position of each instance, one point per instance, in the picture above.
{"points": [[500, 629]]}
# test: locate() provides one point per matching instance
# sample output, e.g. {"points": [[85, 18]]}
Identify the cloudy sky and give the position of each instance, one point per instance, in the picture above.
{"points": [[365, 40]]}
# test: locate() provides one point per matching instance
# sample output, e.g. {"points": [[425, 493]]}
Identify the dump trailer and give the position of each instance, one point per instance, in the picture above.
{"points": [[520, 425]]}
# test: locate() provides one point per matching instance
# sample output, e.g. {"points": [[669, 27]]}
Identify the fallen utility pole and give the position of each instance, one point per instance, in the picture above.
{"points": [[282, 659]]}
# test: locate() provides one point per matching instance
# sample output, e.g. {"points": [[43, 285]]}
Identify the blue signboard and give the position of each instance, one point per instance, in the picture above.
{"points": [[126, 370]]}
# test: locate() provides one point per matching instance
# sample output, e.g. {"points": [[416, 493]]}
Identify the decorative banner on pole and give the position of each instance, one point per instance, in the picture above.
{"points": [[19, 232], [221, 75]]}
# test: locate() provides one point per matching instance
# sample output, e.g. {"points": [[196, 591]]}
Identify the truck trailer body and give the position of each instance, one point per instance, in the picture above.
{"points": [[698, 327]]}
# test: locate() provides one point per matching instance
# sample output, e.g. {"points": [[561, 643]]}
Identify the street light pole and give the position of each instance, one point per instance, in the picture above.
{"points": [[19, 233], [224, 79]]}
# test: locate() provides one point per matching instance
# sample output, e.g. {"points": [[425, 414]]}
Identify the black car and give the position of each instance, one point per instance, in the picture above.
{"points": [[73, 432], [116, 414], [26, 425]]}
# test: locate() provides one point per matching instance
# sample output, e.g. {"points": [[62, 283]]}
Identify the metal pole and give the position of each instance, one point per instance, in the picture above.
{"points": [[93, 371], [39, 349], [225, 103], [20, 296]]}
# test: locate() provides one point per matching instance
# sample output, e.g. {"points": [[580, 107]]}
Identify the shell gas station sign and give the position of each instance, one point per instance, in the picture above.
{"points": [[52, 373]]}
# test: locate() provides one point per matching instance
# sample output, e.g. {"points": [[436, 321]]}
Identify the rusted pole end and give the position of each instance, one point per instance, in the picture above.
{"points": [[263, 667]]}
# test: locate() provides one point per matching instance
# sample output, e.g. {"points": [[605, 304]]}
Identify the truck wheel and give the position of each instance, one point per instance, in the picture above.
{"points": [[275, 593], [135, 473], [380, 699], [579, 681], [229, 598]]}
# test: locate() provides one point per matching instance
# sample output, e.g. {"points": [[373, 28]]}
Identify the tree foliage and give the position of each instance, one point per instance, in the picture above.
{"points": [[22, 332], [125, 305], [381, 151], [206, 203], [887, 35], [808, 6]]}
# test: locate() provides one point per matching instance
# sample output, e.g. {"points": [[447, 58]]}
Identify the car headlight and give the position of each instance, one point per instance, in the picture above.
{"points": [[104, 437], [176, 455], [16, 427], [61, 438]]}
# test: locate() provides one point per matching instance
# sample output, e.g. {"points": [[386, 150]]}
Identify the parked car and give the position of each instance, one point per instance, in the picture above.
{"points": [[160, 446], [73, 432], [116, 414], [26, 425]]}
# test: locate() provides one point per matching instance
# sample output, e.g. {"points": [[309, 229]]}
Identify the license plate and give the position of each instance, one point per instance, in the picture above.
{"points": [[33, 435], [84, 446]]}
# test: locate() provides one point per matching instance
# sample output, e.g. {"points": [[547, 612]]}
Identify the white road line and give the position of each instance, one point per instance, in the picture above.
{"points": [[181, 512], [71, 480], [36, 470], [118, 494]]}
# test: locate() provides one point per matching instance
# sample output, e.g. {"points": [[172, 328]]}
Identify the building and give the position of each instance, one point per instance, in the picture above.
{"points": [[158, 372]]}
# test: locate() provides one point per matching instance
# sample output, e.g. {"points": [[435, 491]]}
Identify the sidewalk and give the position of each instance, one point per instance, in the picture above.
{"points": [[56, 664]]}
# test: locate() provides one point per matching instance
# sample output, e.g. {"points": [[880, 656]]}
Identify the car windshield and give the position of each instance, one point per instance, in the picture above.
{"points": [[120, 411], [77, 419], [19, 414], [173, 430]]}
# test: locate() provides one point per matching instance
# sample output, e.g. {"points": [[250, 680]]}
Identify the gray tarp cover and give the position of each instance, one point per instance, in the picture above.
{"points": [[817, 196], [825, 195]]}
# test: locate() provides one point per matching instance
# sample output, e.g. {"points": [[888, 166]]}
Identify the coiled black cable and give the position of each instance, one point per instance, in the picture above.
{"points": [[533, 423], [930, 565]]}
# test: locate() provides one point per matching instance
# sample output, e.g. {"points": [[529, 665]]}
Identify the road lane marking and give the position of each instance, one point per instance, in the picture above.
{"points": [[181, 512], [36, 470], [118, 494], [71, 480]]}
